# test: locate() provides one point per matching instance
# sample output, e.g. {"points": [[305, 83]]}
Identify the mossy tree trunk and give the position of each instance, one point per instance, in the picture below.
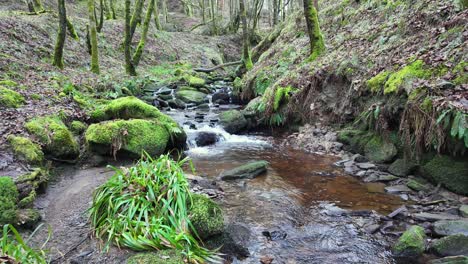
{"points": [[317, 45], [38, 6], [136, 16], [164, 9], [202, 9], [276, 11], [61, 36], [30, 6], [112, 9], [245, 37], [157, 21], [93, 38], [129, 67], [71, 30], [100, 23], [141, 45]]}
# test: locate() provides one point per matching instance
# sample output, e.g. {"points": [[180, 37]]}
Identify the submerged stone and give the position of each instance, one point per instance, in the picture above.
{"points": [[453, 245], [233, 121], [57, 140], [246, 171], [411, 244], [206, 216]]}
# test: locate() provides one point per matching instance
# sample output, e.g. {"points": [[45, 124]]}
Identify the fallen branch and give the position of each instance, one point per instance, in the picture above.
{"points": [[218, 66]]}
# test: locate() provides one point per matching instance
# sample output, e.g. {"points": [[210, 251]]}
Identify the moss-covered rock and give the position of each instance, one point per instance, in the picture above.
{"points": [[451, 227], [8, 201], [31, 184], [10, 98], [411, 244], [354, 138], [451, 245], [77, 127], [402, 167], [26, 150], [379, 150], [195, 81], [206, 216], [233, 121], [405, 75], [8, 83], [57, 140], [28, 218], [193, 97], [125, 108], [159, 257], [418, 184], [450, 172], [133, 136], [246, 171]]}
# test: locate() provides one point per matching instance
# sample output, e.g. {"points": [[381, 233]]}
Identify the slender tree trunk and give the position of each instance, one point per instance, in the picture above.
{"points": [[275, 12], [202, 7], [164, 8], [245, 37], [157, 22], [101, 18], [317, 45], [93, 38], [129, 67], [136, 16], [30, 6], [112, 9], [213, 16], [141, 45], [61, 36], [71, 30], [38, 6]]}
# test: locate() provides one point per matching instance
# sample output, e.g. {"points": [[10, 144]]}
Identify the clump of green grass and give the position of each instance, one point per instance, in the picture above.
{"points": [[13, 249], [144, 207]]}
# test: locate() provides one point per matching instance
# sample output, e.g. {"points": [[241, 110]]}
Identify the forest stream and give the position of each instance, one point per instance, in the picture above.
{"points": [[304, 209]]}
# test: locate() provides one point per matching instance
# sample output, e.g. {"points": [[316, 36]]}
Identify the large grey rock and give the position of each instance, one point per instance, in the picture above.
{"points": [[233, 121], [453, 245], [246, 171], [189, 96], [402, 167], [451, 227]]}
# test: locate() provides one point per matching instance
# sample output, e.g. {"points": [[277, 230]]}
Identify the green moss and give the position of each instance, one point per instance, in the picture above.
{"points": [[28, 218], [316, 39], [8, 200], [418, 184], [35, 97], [37, 180], [125, 108], [233, 121], [402, 167], [451, 173], [133, 136], [160, 257], [28, 200], [282, 94], [189, 96], [356, 139], [450, 245], [461, 73], [376, 83], [262, 82], [411, 243], [55, 136], [195, 81], [406, 74], [10, 98], [8, 83], [379, 150], [26, 150], [206, 216], [77, 127]]}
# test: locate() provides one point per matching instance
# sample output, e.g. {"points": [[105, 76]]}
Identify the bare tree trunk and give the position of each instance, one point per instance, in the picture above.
{"points": [[203, 13], [275, 12], [61, 36], [141, 45], [135, 17], [93, 38], [112, 9], [129, 67], [213, 16], [101, 18], [157, 22], [245, 37], [30, 6], [164, 8], [317, 45]]}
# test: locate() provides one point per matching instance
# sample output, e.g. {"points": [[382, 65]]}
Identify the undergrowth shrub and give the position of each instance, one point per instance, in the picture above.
{"points": [[145, 207], [13, 249]]}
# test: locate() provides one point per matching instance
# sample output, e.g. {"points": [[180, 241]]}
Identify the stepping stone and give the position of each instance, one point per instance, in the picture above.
{"points": [[366, 165], [397, 189]]}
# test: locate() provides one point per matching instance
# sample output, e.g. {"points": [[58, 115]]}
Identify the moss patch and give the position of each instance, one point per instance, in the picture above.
{"points": [[160, 257], [379, 150], [376, 83], [233, 121], [10, 98], [206, 216], [188, 96], [26, 150], [58, 141], [451, 173], [133, 136], [406, 74], [77, 127], [411, 244], [125, 108], [195, 81], [8, 200], [451, 245]]}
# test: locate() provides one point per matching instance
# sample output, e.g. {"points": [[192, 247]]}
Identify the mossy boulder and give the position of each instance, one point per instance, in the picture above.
{"points": [[206, 216], [411, 244], [451, 173], [418, 184], [26, 150], [55, 137], [246, 171], [8, 201], [402, 167], [195, 81], [233, 121], [169, 256], [379, 150], [191, 97], [453, 245], [77, 127], [31, 184], [10, 98], [133, 136], [125, 108]]}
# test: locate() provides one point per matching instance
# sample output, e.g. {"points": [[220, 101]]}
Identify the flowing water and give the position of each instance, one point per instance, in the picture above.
{"points": [[297, 198]]}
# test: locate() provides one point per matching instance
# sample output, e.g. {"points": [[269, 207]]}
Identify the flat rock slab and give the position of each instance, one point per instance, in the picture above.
{"points": [[397, 189], [450, 260], [435, 217], [246, 171], [366, 165], [451, 227]]}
